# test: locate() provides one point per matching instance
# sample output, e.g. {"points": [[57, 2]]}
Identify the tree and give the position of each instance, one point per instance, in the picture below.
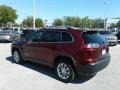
{"points": [[112, 25], [85, 22], [39, 23], [16, 25], [58, 22], [72, 21], [98, 23], [7, 14], [28, 22]]}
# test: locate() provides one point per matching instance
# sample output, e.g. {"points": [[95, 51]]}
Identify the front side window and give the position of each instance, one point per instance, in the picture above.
{"points": [[36, 36]]}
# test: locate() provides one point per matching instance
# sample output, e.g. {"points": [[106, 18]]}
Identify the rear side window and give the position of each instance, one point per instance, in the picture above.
{"points": [[51, 36], [66, 37], [92, 37]]}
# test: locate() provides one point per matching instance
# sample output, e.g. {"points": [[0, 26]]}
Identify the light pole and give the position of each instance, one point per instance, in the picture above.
{"points": [[105, 14], [33, 14]]}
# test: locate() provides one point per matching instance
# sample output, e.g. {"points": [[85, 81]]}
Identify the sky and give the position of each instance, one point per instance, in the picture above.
{"points": [[51, 9]]}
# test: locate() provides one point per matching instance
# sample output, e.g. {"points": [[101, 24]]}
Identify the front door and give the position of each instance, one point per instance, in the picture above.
{"points": [[30, 48]]}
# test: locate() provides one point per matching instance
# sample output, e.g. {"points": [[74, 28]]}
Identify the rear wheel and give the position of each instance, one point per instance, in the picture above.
{"points": [[17, 57], [64, 71]]}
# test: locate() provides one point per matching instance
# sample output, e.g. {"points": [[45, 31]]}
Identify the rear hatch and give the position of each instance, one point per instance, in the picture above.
{"points": [[4, 34], [94, 46]]}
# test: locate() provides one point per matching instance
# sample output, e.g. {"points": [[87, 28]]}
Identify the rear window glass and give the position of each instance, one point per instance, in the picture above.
{"points": [[4, 31], [105, 32], [27, 31], [92, 37]]}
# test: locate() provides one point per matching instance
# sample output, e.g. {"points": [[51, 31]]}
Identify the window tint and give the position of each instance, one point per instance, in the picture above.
{"points": [[26, 33], [36, 36], [14, 32], [92, 37], [66, 37], [51, 36], [105, 32], [5, 31]]}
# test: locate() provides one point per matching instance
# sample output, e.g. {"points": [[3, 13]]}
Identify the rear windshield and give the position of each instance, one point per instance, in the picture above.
{"points": [[105, 32], [4, 31], [92, 37], [27, 31]]}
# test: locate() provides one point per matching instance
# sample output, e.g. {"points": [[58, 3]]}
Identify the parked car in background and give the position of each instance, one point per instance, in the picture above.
{"points": [[114, 31], [70, 51], [17, 29], [25, 33], [109, 37], [9, 35], [118, 36]]}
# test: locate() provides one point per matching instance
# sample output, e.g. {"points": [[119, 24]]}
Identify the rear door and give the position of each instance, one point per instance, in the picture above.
{"points": [[95, 45]]}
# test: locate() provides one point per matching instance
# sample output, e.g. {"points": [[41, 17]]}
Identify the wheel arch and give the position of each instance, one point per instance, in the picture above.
{"points": [[15, 48], [67, 58]]}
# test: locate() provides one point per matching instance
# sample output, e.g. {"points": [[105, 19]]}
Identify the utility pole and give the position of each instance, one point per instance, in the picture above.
{"points": [[33, 14], [105, 14]]}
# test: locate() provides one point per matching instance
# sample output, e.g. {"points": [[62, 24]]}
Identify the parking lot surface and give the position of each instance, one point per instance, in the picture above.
{"points": [[31, 76]]}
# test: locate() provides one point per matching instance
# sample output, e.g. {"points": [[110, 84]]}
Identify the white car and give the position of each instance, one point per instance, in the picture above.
{"points": [[109, 37]]}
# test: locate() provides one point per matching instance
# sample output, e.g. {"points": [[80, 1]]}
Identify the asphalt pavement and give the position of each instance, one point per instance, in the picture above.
{"points": [[32, 76]]}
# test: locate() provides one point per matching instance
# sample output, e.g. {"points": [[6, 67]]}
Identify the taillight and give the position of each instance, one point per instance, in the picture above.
{"points": [[8, 37], [91, 45]]}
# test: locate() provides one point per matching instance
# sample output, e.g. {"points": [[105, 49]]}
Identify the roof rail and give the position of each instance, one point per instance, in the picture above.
{"points": [[60, 27], [70, 27], [55, 27]]}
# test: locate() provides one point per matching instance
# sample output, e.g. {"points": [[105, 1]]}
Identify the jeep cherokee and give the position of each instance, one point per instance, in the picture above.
{"points": [[70, 51]]}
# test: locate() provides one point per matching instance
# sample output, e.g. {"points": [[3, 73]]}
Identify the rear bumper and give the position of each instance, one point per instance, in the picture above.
{"points": [[113, 42], [93, 68]]}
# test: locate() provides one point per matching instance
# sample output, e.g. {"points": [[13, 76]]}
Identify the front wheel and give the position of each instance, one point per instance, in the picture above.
{"points": [[65, 71], [17, 57]]}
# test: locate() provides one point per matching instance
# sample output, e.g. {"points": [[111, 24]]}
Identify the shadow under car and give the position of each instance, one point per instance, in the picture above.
{"points": [[49, 71]]}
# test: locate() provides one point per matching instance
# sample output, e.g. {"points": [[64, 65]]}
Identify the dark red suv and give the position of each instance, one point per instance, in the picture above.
{"points": [[70, 51]]}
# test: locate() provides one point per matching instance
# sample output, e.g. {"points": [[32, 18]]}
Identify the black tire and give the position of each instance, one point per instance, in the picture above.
{"points": [[17, 57], [70, 75]]}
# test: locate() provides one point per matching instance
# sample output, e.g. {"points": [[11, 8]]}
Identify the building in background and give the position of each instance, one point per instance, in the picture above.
{"points": [[111, 21]]}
